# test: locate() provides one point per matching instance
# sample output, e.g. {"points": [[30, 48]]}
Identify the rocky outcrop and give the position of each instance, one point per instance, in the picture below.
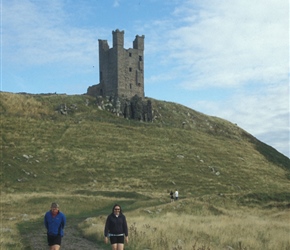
{"points": [[135, 108]]}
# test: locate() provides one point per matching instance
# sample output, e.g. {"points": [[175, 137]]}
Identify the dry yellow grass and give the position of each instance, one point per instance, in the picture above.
{"points": [[234, 229], [16, 208], [186, 224], [24, 105]]}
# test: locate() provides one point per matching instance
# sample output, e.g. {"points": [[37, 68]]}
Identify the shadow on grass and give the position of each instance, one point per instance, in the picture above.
{"points": [[266, 200], [117, 194]]}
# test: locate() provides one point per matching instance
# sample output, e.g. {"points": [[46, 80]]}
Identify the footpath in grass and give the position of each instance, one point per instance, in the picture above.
{"points": [[34, 237]]}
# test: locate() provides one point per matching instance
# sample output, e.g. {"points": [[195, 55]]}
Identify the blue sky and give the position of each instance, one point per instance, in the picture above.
{"points": [[224, 58]]}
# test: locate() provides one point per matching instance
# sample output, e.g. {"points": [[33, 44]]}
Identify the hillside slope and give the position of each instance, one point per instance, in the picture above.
{"points": [[90, 147], [76, 151]]}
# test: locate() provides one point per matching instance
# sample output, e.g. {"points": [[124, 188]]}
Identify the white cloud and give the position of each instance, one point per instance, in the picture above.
{"points": [[238, 46], [263, 113], [39, 34], [228, 43]]}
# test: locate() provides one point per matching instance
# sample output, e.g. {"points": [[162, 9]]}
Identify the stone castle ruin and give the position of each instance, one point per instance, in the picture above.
{"points": [[121, 76]]}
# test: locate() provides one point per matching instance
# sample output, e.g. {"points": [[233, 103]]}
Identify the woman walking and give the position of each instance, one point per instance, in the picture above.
{"points": [[116, 228]]}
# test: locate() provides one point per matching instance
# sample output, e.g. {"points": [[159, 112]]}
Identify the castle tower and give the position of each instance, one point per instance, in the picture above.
{"points": [[121, 70]]}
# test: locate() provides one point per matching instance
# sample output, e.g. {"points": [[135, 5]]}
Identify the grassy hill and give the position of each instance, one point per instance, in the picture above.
{"points": [[91, 152]]}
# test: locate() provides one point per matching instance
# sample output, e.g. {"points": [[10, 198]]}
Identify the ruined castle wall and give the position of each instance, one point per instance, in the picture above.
{"points": [[121, 70], [108, 69], [131, 81]]}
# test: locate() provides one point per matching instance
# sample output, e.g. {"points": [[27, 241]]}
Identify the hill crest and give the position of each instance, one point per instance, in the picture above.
{"points": [[90, 145]]}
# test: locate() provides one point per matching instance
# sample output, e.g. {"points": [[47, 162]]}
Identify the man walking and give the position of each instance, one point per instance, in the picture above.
{"points": [[54, 221]]}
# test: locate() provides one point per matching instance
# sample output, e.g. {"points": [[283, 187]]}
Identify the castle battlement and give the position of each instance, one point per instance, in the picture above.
{"points": [[121, 71]]}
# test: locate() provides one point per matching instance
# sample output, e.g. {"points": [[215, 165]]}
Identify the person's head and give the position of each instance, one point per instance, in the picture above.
{"points": [[117, 209], [54, 208]]}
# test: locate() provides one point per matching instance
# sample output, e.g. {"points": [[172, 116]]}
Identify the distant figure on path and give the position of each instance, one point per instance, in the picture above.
{"points": [[176, 195], [171, 196], [116, 228], [54, 222]]}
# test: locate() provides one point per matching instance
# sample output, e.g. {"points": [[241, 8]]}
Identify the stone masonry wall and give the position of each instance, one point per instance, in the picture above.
{"points": [[121, 70]]}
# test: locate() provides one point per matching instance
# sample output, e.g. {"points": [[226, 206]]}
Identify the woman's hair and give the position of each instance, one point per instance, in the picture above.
{"points": [[116, 205]]}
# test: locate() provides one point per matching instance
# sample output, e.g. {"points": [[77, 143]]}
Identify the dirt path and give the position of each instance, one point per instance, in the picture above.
{"points": [[72, 240]]}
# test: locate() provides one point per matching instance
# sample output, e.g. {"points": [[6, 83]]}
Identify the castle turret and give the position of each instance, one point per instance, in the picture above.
{"points": [[138, 43], [121, 70], [118, 38], [122, 77]]}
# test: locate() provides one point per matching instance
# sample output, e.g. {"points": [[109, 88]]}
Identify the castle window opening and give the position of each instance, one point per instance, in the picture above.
{"points": [[130, 86], [130, 54], [130, 69], [140, 58], [101, 75]]}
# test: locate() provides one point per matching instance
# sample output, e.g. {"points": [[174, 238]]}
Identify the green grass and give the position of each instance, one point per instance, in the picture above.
{"points": [[91, 146], [90, 155]]}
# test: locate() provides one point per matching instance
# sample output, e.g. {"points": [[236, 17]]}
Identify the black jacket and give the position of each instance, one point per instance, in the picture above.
{"points": [[116, 225]]}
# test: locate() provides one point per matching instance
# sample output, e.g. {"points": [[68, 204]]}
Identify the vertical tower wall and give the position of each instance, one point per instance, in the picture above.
{"points": [[103, 74], [121, 70]]}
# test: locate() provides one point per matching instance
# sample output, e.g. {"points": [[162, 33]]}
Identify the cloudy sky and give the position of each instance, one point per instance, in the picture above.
{"points": [[225, 58]]}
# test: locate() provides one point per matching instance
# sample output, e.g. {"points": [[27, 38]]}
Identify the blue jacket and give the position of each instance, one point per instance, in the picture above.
{"points": [[54, 225]]}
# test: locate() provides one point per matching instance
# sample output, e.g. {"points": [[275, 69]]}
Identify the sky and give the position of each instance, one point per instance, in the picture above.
{"points": [[224, 58]]}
